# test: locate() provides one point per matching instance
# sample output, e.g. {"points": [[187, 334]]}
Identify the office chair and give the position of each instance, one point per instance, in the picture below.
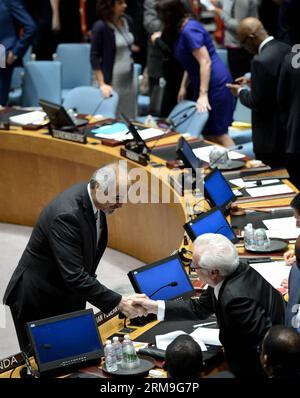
{"points": [[42, 79], [76, 66], [185, 118], [89, 100]]}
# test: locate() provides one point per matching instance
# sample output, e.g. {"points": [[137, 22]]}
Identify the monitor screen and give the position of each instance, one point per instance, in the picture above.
{"points": [[168, 277], [218, 190], [57, 114], [68, 340], [185, 153], [212, 221]]}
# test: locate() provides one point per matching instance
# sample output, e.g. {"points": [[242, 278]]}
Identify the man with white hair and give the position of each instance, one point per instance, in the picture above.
{"points": [[245, 304], [56, 273]]}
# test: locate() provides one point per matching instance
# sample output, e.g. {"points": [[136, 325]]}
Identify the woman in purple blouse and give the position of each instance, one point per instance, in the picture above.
{"points": [[194, 49]]}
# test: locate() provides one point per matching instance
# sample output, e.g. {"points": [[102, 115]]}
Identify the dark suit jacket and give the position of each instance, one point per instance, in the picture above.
{"points": [[246, 308], [294, 294], [289, 101], [12, 16], [56, 272], [267, 131]]}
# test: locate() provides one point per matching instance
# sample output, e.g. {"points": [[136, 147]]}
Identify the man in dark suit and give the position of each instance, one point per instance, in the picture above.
{"points": [[289, 104], [245, 304], [13, 16], [56, 273], [261, 97]]}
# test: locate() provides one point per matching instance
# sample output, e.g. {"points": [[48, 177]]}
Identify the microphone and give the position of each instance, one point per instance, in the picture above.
{"points": [[171, 284], [137, 138], [226, 151]]}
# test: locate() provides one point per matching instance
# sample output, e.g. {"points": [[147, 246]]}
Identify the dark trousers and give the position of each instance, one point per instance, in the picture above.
{"points": [[239, 61], [20, 327], [5, 80]]}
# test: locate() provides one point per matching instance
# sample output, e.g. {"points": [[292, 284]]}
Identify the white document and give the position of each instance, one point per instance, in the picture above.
{"points": [[239, 182], [163, 340], [284, 228], [35, 117], [269, 190], [208, 5], [121, 135], [207, 335], [273, 272], [203, 153]]}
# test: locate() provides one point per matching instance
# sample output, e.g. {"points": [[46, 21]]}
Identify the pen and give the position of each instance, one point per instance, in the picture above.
{"points": [[204, 324]]}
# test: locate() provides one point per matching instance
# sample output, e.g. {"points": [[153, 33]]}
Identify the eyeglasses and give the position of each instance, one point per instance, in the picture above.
{"points": [[194, 267]]}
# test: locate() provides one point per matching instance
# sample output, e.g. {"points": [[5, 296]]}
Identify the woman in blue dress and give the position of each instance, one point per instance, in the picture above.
{"points": [[194, 49]]}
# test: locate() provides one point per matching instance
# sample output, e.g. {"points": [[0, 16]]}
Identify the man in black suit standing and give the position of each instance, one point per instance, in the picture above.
{"points": [[56, 273], [245, 304], [289, 104], [261, 95]]}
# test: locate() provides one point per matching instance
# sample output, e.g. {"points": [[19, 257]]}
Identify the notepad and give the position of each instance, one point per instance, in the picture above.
{"points": [[239, 182]]}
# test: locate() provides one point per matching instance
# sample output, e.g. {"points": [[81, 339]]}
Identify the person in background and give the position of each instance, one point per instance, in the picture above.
{"points": [[13, 17], [280, 353], [194, 49], [111, 48], [232, 12], [261, 97], [184, 358], [244, 303], [56, 273]]}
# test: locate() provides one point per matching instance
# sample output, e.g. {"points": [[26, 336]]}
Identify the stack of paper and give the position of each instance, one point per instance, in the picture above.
{"points": [[274, 272], [239, 182], [269, 190], [203, 153], [119, 132], [35, 117], [284, 228]]}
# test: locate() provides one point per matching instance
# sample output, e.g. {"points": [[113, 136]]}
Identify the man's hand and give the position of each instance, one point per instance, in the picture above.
{"points": [[234, 88], [149, 306], [285, 283], [218, 11], [131, 309], [155, 36], [106, 90], [242, 81], [289, 257], [11, 57]]}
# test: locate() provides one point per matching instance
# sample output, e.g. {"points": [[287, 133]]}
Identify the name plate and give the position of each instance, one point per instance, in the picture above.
{"points": [[11, 362], [135, 157], [69, 136]]}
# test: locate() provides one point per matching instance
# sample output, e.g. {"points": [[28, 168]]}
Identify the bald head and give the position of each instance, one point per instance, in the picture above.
{"points": [[251, 33]]}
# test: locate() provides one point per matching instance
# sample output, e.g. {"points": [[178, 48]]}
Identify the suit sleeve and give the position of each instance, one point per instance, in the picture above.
{"points": [[66, 243], [260, 87], [283, 91], [251, 321], [194, 309], [23, 19]]}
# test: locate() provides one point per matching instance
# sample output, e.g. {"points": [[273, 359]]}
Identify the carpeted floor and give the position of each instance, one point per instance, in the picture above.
{"points": [[13, 239]]}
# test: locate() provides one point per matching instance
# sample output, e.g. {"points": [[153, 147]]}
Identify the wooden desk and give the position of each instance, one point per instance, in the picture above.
{"points": [[35, 167]]}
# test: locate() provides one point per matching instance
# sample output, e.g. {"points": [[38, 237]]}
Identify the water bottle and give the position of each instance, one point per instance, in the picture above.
{"points": [[110, 357], [130, 358], [118, 349], [248, 236]]}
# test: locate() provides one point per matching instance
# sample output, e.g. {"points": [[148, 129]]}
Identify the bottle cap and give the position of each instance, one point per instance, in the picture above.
{"points": [[156, 373], [115, 338]]}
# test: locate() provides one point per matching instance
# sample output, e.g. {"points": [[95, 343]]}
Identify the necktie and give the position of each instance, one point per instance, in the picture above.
{"points": [[97, 218]]}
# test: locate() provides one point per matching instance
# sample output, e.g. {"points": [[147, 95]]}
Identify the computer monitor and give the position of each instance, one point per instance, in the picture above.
{"points": [[166, 277], [185, 153], [59, 117], [136, 137], [218, 190], [212, 221], [65, 342]]}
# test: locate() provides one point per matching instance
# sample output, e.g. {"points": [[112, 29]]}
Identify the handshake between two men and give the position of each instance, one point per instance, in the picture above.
{"points": [[137, 305]]}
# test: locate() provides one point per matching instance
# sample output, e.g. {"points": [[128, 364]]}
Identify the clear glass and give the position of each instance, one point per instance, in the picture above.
{"points": [[261, 240]]}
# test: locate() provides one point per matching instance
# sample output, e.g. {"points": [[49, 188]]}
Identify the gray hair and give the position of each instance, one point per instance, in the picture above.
{"points": [[217, 252], [108, 176]]}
